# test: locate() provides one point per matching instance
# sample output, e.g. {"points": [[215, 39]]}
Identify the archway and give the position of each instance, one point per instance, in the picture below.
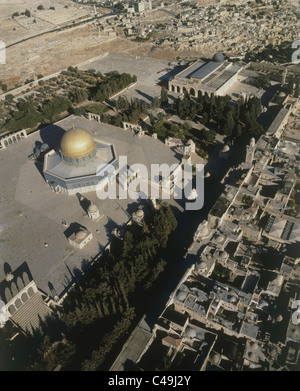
{"points": [[30, 292], [12, 309], [24, 297], [18, 304]]}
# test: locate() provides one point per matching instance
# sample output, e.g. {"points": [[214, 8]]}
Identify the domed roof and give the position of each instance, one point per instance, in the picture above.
{"points": [[140, 213], [191, 333], [279, 318], [215, 359], [218, 57], [201, 264], [281, 94], [77, 143], [222, 254], [225, 148], [92, 208]]}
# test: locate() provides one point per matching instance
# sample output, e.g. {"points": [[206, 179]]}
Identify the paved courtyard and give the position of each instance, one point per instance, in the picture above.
{"points": [[31, 214], [149, 72]]}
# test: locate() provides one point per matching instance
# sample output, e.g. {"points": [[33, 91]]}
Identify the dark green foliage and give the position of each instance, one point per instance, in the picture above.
{"points": [[78, 95], [27, 13], [26, 116], [232, 121], [100, 308], [164, 96], [53, 107], [113, 83], [155, 103], [262, 81]]}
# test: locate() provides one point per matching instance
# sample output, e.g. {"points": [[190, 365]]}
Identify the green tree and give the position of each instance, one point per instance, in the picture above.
{"points": [[155, 103], [27, 13], [164, 96]]}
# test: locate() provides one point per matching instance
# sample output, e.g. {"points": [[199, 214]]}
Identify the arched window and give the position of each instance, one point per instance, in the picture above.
{"points": [[30, 292], [24, 297], [192, 92], [18, 304], [178, 89]]}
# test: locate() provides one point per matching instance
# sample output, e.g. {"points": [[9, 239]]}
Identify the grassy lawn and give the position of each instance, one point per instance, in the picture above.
{"points": [[96, 109]]}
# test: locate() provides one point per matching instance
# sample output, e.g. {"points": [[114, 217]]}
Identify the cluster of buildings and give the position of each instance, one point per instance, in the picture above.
{"points": [[214, 26], [233, 308]]}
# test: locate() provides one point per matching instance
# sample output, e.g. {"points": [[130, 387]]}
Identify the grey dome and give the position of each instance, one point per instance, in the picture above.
{"points": [[215, 359], [218, 57], [92, 208], [44, 147]]}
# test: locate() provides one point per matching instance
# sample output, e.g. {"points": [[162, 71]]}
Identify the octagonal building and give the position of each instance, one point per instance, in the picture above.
{"points": [[80, 164]]}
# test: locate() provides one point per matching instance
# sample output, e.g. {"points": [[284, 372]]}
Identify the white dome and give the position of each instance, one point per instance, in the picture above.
{"points": [[92, 208], [191, 333]]}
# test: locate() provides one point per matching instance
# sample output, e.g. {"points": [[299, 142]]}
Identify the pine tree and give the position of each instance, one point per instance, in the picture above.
{"points": [[164, 96]]}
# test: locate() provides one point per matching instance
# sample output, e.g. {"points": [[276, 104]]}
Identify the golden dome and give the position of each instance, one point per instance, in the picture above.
{"points": [[77, 143]]}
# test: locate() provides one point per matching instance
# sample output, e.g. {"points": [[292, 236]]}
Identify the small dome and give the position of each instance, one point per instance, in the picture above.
{"points": [[92, 208], [215, 359], [207, 175], [201, 265], [255, 346], [80, 235], [190, 142], [44, 147], [225, 148], [77, 143], [279, 318], [252, 142], [218, 57], [281, 94], [219, 239], [140, 213], [222, 255]]}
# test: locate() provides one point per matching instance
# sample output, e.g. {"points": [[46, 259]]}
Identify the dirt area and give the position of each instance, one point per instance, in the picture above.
{"points": [[56, 51]]}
